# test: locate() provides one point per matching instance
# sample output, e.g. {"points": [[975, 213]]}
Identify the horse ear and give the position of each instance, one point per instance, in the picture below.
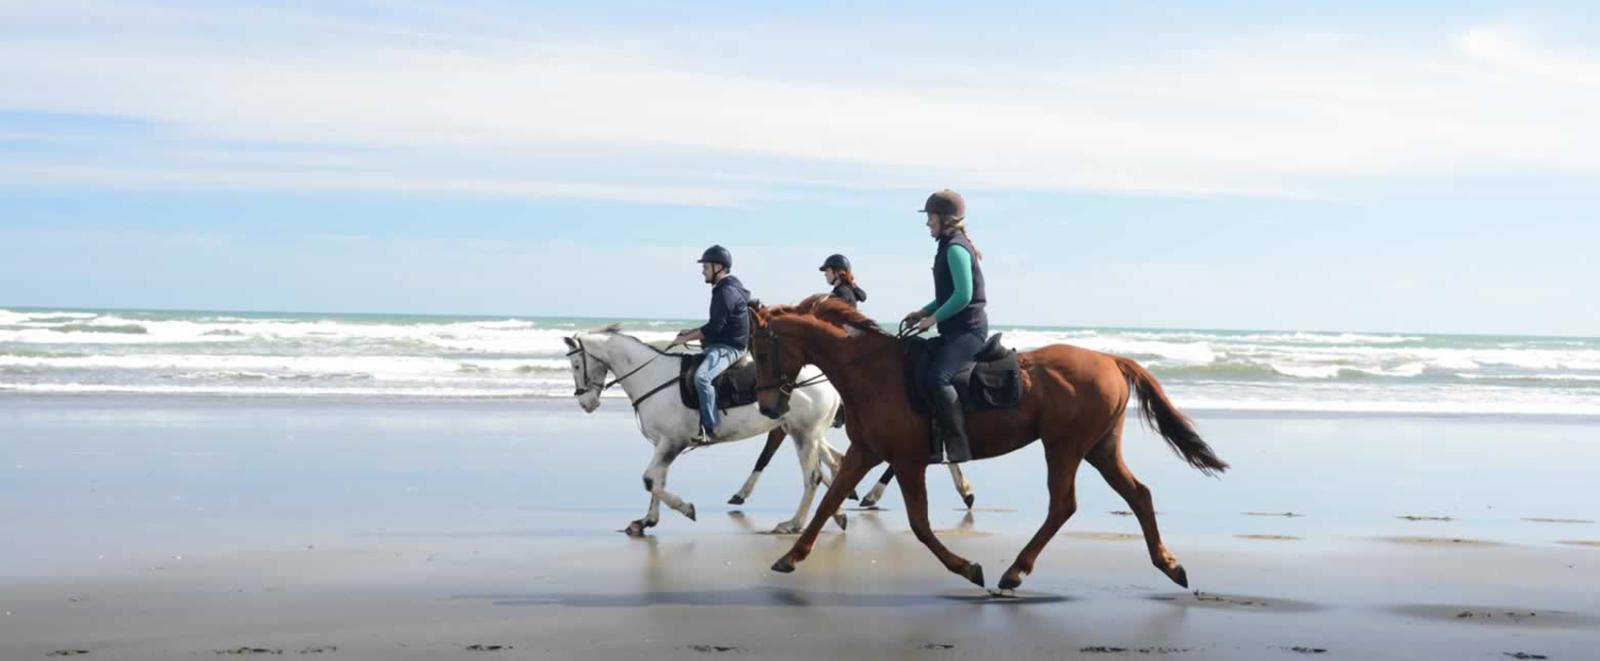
{"points": [[571, 343]]}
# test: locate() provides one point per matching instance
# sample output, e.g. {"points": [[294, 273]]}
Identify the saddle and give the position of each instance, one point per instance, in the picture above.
{"points": [[736, 386], [993, 380]]}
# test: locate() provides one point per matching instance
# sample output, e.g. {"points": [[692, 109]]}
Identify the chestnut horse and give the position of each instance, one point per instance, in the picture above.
{"points": [[1073, 399]]}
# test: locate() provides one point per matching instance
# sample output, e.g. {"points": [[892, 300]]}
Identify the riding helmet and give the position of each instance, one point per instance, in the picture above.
{"points": [[946, 203], [717, 255], [836, 262]]}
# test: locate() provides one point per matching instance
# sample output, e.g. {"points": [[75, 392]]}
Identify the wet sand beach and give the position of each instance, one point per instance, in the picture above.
{"points": [[141, 528]]}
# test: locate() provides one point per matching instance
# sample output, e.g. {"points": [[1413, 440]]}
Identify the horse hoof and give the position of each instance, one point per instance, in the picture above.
{"points": [[968, 499], [635, 529], [690, 513], [842, 521], [786, 528], [736, 500], [1178, 575], [853, 496], [869, 503], [1009, 583], [783, 566], [974, 573]]}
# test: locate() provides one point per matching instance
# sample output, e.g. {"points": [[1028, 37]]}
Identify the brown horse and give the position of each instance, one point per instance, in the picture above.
{"points": [[1073, 399]]}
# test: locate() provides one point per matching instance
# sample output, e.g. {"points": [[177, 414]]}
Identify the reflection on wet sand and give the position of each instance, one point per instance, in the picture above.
{"points": [[752, 596], [755, 596]]}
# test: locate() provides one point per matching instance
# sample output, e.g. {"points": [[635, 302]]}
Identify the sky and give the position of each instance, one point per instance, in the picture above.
{"points": [[1370, 166]]}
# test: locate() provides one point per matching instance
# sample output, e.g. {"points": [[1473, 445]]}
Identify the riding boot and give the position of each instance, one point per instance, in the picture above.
{"points": [[951, 424]]}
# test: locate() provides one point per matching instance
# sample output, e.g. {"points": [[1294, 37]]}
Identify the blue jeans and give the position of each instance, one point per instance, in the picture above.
{"points": [[718, 358]]}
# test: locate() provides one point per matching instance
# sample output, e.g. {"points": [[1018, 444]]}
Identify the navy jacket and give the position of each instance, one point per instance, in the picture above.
{"points": [[730, 315]]}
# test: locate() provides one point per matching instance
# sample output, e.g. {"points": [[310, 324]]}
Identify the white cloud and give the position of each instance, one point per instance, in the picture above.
{"points": [[436, 110], [1519, 51]]}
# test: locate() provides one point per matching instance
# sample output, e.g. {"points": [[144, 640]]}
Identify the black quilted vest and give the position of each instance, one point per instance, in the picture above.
{"points": [[972, 319]]}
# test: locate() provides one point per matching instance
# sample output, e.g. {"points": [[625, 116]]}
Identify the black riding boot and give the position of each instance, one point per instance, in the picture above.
{"points": [[950, 427]]}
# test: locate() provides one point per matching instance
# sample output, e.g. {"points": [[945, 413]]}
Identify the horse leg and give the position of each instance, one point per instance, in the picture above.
{"points": [[1107, 458], [830, 460], [913, 489], [652, 513], [655, 481], [809, 453], [1061, 466], [774, 439], [637, 527], [963, 487], [856, 463], [877, 490]]}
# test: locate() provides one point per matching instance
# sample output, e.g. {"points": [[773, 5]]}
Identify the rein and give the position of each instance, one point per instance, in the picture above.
{"points": [[584, 352], [787, 386]]}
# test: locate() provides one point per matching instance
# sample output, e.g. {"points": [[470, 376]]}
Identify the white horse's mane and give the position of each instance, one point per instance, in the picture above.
{"points": [[615, 329]]}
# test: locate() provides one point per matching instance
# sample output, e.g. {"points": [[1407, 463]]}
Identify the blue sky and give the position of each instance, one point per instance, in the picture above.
{"points": [[1423, 167]]}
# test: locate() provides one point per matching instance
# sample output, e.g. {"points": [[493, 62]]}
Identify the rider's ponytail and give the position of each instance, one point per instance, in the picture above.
{"points": [[849, 280], [952, 224]]}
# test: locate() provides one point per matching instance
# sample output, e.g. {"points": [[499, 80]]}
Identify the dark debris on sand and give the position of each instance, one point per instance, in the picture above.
{"points": [[479, 647], [716, 649], [1514, 616], [1525, 655], [1287, 515], [68, 653], [1414, 517], [1102, 649], [245, 651], [1301, 649], [939, 646], [1201, 596], [320, 649]]}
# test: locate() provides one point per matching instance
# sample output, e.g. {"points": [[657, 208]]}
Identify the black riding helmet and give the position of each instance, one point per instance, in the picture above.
{"points": [[717, 255], [836, 262]]}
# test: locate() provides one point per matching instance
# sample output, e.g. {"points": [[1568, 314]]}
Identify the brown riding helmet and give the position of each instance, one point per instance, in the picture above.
{"points": [[946, 203]]}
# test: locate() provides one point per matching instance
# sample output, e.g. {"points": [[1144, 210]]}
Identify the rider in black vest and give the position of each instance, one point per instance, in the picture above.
{"points": [[958, 310], [836, 268]]}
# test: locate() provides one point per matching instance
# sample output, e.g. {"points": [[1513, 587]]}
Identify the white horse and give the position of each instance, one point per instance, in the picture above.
{"points": [[650, 377]]}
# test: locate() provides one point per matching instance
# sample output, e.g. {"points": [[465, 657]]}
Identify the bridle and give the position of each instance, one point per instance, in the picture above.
{"points": [[788, 385]]}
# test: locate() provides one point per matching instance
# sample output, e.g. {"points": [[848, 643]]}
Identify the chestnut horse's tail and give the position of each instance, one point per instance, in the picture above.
{"points": [[1175, 427]]}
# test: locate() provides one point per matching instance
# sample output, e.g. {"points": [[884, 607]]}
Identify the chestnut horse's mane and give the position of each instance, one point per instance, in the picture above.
{"points": [[832, 311]]}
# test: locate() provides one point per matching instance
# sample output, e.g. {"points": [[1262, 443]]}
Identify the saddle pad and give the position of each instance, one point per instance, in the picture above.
{"points": [[736, 386], [995, 382]]}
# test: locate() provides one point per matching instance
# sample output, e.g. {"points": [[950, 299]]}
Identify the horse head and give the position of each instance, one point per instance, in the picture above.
{"points": [[589, 369], [778, 359]]}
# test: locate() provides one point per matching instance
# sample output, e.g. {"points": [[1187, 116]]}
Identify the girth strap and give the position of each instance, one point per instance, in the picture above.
{"points": [[674, 381]]}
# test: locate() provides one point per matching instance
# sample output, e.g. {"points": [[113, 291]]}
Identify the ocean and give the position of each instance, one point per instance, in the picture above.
{"points": [[233, 354]]}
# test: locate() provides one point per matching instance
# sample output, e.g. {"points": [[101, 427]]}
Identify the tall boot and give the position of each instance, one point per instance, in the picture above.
{"points": [[950, 425]]}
